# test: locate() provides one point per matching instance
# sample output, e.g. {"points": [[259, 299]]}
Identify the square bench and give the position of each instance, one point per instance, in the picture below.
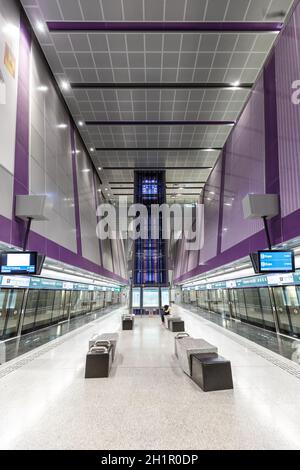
{"points": [[176, 325], [169, 319], [127, 322], [111, 337], [188, 346], [98, 363], [211, 373]]}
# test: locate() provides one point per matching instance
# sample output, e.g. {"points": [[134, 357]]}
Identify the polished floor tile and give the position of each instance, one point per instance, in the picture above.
{"points": [[147, 402]]}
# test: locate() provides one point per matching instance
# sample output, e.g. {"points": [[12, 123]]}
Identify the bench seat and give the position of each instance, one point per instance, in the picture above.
{"points": [[187, 346], [211, 373]]}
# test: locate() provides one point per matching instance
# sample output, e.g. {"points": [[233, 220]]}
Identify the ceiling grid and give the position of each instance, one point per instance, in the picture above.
{"points": [[187, 66]]}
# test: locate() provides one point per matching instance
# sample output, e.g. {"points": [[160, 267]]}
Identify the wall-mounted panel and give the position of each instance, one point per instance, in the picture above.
{"points": [[50, 162], [244, 170], [287, 63], [87, 205], [9, 69]]}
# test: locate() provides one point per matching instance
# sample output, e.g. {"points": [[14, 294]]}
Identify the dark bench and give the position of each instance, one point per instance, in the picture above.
{"points": [[211, 373], [176, 325], [111, 337], [127, 322], [99, 360], [186, 346]]}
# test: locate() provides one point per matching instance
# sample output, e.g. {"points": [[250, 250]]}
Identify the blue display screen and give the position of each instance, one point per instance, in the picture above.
{"points": [[149, 187], [276, 261], [19, 263]]}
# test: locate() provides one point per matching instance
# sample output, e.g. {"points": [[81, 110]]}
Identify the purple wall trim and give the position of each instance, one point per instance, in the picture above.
{"points": [[256, 242], [178, 26], [21, 167], [75, 190], [222, 184], [12, 231], [290, 225], [160, 123], [97, 202], [272, 178], [57, 252]]}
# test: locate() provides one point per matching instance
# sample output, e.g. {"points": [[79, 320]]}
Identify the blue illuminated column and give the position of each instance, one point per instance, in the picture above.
{"points": [[150, 256]]}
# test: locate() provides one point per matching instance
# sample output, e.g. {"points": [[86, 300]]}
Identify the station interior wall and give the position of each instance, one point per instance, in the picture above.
{"points": [[41, 152], [261, 156]]}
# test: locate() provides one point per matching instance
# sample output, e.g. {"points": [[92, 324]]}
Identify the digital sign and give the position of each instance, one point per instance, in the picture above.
{"points": [[15, 263], [165, 297], [136, 297], [149, 187], [276, 261], [151, 298]]}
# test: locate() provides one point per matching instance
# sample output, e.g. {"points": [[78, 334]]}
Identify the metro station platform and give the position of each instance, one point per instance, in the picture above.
{"points": [[148, 402]]}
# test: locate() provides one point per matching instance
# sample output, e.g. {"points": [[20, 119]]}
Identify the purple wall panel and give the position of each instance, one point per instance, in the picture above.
{"points": [[287, 56], [211, 214], [12, 231], [21, 168], [76, 195], [244, 170]]}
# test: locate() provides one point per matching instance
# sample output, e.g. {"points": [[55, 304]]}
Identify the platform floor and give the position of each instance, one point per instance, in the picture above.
{"points": [[148, 402]]}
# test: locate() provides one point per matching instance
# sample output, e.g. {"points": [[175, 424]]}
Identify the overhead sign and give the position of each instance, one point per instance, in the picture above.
{"points": [[13, 281], [275, 261]]}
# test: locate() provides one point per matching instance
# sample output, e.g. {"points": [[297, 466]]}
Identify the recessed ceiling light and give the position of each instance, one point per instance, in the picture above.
{"points": [[65, 85], [10, 30], [92, 149], [235, 84], [40, 26], [99, 168], [80, 123], [209, 150], [43, 88], [106, 189], [62, 126], [86, 170]]}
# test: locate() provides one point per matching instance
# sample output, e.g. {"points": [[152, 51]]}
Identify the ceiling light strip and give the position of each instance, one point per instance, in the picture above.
{"points": [[160, 86], [160, 123], [117, 168], [169, 26], [157, 149]]}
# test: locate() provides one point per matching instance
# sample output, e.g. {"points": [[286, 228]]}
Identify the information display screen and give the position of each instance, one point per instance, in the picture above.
{"points": [[165, 297], [276, 261], [150, 297], [18, 263], [136, 297], [149, 187]]}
